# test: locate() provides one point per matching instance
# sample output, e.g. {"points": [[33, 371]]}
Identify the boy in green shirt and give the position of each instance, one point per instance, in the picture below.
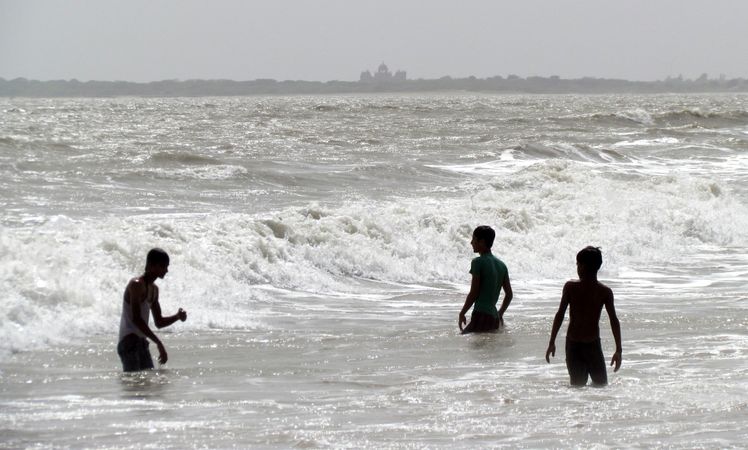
{"points": [[489, 276]]}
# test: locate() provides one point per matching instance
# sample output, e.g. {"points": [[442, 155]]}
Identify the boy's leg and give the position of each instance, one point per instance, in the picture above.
{"points": [[576, 364], [480, 323], [146, 361], [470, 327], [144, 355], [127, 349], [134, 354], [598, 371]]}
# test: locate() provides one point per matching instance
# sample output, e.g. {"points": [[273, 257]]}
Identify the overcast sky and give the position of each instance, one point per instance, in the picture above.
{"points": [[150, 40]]}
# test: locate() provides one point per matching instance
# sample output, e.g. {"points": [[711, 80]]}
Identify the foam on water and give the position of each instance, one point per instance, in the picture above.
{"points": [[64, 278]]}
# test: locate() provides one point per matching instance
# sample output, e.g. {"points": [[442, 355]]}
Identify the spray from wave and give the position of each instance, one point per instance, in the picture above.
{"points": [[63, 278]]}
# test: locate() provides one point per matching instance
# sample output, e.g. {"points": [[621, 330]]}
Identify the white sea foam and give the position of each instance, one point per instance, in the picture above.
{"points": [[639, 115], [65, 277], [647, 142]]}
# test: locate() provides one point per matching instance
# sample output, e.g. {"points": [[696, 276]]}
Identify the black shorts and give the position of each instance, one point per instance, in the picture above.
{"points": [[481, 323], [585, 359], [133, 351]]}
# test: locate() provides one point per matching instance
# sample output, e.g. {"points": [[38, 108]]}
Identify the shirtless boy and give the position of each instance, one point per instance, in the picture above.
{"points": [[140, 299], [586, 298], [489, 276]]}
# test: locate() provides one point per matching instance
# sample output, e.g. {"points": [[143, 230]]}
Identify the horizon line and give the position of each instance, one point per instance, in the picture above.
{"points": [[705, 76]]}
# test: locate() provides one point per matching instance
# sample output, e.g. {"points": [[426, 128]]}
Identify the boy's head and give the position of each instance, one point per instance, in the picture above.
{"points": [[157, 261], [589, 260], [483, 237]]}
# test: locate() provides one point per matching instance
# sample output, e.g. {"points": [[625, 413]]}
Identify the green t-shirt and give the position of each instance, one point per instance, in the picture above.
{"points": [[492, 272]]}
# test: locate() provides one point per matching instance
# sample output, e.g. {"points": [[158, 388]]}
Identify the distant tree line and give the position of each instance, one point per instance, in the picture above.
{"points": [[22, 87]]}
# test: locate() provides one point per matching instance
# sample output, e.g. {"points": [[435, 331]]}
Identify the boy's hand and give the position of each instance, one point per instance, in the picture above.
{"points": [[162, 356], [461, 320], [616, 360], [550, 352], [182, 314]]}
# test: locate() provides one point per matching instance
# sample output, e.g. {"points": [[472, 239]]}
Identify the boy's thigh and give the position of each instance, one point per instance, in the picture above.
{"points": [[583, 360], [481, 323], [134, 354], [576, 364], [598, 370]]}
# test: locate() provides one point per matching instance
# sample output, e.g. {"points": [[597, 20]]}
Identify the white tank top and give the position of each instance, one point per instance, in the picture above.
{"points": [[126, 324]]}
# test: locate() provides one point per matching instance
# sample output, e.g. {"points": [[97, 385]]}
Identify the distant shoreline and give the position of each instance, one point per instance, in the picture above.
{"points": [[22, 87]]}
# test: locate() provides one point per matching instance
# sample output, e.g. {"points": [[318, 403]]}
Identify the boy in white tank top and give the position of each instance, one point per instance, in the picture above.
{"points": [[141, 298]]}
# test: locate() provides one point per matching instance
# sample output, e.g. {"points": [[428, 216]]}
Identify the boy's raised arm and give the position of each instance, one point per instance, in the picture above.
{"points": [[557, 321], [615, 327], [162, 321]]}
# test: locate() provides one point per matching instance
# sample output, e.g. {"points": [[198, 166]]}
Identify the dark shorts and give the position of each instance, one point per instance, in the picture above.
{"points": [[133, 351], [585, 359], [481, 323]]}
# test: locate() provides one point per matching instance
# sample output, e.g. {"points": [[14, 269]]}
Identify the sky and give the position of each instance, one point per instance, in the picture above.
{"points": [[320, 40]]}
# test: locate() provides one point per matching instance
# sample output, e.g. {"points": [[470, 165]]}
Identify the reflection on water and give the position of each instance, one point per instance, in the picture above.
{"points": [[491, 342], [145, 384]]}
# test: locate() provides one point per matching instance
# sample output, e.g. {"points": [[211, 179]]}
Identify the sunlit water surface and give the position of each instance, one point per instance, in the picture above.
{"points": [[321, 247]]}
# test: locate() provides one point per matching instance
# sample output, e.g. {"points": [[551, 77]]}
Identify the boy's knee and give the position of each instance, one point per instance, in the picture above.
{"points": [[578, 380], [599, 379]]}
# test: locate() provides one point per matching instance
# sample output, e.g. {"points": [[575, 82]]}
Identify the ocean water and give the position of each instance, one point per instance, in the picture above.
{"points": [[321, 248]]}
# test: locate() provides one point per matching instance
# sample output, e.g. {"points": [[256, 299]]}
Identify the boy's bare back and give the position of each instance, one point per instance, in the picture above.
{"points": [[586, 300]]}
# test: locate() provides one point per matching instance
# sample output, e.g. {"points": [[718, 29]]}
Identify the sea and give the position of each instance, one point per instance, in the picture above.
{"points": [[321, 247]]}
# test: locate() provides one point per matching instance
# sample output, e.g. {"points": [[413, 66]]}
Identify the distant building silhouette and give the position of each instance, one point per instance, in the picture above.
{"points": [[382, 75]]}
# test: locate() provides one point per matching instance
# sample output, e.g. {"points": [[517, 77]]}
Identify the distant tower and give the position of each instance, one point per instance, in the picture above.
{"points": [[382, 75]]}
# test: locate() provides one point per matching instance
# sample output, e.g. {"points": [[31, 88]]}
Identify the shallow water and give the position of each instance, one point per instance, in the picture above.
{"points": [[321, 247]]}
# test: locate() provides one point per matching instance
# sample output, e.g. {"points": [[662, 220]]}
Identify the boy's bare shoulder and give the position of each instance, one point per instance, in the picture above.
{"points": [[606, 291], [136, 284], [576, 288], [570, 290]]}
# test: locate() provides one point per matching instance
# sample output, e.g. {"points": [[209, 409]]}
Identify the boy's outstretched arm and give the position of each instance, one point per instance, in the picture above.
{"points": [[162, 321], [508, 296], [615, 327], [469, 300], [557, 321]]}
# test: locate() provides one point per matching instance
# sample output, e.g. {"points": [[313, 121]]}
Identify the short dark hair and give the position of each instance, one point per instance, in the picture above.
{"points": [[157, 256], [486, 234], [591, 258]]}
